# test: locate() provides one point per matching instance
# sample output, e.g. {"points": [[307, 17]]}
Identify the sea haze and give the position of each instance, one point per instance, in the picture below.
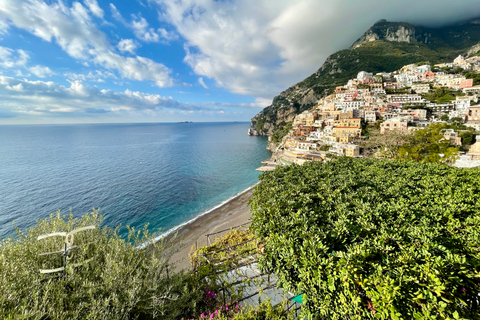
{"points": [[161, 174]]}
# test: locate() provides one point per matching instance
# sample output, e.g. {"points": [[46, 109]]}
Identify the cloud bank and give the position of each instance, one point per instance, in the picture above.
{"points": [[44, 98], [259, 48], [74, 31]]}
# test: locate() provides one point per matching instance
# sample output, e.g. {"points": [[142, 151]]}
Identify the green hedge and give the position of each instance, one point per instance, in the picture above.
{"points": [[373, 238]]}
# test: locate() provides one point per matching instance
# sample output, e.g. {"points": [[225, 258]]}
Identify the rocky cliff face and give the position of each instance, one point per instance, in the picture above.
{"points": [[473, 50], [284, 108], [389, 31]]}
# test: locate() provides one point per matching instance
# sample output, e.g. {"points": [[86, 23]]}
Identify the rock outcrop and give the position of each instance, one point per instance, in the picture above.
{"points": [[389, 31]]}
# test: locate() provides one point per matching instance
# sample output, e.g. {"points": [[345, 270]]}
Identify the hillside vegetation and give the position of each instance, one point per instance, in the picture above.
{"points": [[368, 239]]}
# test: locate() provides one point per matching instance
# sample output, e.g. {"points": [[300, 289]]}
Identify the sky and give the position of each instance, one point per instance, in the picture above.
{"points": [[95, 61]]}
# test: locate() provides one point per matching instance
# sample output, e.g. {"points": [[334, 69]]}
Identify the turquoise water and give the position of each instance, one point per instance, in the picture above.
{"points": [[161, 174]]}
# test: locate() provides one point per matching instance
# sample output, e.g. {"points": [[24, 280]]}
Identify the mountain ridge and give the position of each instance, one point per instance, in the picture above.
{"points": [[384, 47]]}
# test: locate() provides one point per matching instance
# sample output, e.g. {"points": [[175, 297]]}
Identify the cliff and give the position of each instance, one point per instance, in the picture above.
{"points": [[385, 47]]}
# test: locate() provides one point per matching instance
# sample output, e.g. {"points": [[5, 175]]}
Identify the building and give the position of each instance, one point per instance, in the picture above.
{"points": [[467, 83], [462, 104], [350, 122], [405, 79], [417, 114], [307, 146], [474, 113], [452, 136], [405, 98], [370, 116], [474, 151], [346, 132], [471, 90], [351, 150], [393, 125], [421, 87]]}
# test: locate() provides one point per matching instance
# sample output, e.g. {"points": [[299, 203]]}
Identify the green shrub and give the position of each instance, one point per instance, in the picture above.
{"points": [[118, 281], [364, 238]]}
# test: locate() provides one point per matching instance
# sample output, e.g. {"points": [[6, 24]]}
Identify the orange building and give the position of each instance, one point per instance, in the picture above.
{"points": [[350, 122]]}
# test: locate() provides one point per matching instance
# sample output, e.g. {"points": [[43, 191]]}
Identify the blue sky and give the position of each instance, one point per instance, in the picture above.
{"points": [[176, 60]]}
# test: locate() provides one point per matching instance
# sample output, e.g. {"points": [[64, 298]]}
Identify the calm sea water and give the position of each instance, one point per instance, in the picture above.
{"points": [[161, 174]]}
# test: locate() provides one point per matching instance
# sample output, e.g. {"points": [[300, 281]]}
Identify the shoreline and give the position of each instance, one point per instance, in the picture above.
{"points": [[171, 231], [230, 213]]}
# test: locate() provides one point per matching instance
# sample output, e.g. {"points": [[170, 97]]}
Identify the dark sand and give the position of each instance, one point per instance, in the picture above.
{"points": [[232, 214]]}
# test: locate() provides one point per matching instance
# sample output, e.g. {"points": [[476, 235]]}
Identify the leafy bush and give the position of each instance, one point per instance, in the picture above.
{"points": [[441, 95], [426, 145], [364, 238], [118, 281]]}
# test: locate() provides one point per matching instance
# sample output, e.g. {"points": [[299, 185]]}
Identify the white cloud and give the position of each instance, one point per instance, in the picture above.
{"points": [[3, 27], [127, 45], [259, 48], [202, 83], [10, 58], [167, 35], [95, 76], [116, 14], [141, 28], [94, 8], [40, 97], [41, 71], [74, 31]]}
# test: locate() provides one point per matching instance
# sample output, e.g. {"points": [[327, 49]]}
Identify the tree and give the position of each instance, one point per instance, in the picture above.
{"points": [[383, 145], [428, 145], [365, 238], [114, 278]]}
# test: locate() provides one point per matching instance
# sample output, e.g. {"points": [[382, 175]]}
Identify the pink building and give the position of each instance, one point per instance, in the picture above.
{"points": [[467, 83]]}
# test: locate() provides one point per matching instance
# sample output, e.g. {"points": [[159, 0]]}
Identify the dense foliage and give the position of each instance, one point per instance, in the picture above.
{"points": [[428, 145], [281, 131], [442, 95], [118, 281], [364, 238]]}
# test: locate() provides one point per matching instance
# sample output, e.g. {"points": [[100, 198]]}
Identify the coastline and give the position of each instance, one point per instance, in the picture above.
{"points": [[231, 213]]}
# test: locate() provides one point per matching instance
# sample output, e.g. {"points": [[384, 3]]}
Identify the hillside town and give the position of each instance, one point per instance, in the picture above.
{"points": [[402, 101]]}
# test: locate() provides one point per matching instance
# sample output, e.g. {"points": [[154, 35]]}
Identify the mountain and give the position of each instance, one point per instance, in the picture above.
{"points": [[385, 47]]}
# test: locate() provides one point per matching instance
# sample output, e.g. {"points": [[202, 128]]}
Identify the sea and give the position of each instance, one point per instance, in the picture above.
{"points": [[163, 174]]}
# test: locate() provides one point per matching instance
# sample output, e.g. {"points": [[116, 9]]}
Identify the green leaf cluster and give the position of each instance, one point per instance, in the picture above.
{"points": [[365, 238], [426, 145], [281, 131], [117, 281], [442, 95]]}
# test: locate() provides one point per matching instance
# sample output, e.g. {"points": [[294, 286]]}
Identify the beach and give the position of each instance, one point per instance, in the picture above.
{"points": [[231, 214]]}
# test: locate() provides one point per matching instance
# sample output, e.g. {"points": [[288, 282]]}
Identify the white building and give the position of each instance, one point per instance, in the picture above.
{"points": [[349, 105], [462, 105], [406, 79], [370, 116], [405, 98], [363, 75]]}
